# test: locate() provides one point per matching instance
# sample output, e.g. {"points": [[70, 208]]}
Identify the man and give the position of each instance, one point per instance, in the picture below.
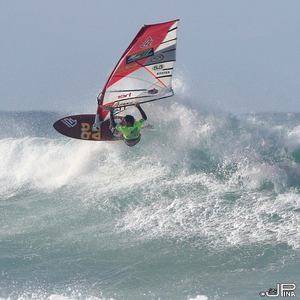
{"points": [[129, 127]]}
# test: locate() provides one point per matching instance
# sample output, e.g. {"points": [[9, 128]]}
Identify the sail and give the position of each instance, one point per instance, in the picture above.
{"points": [[144, 71]]}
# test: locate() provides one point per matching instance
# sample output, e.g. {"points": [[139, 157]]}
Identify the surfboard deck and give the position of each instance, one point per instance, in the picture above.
{"points": [[80, 127]]}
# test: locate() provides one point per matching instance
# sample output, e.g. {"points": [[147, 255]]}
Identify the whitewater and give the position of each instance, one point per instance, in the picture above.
{"points": [[206, 206]]}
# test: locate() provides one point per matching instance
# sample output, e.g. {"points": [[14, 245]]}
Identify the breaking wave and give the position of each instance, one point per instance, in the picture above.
{"points": [[210, 180]]}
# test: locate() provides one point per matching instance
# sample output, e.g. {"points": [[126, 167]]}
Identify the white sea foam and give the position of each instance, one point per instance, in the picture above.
{"points": [[45, 296], [44, 163], [196, 176], [251, 216], [293, 138], [199, 297]]}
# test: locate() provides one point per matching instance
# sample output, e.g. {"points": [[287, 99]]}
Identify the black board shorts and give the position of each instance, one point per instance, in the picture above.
{"points": [[132, 142]]}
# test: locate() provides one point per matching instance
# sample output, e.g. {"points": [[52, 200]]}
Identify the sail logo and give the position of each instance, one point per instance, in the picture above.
{"points": [[122, 96], [87, 134], [69, 122], [281, 290], [140, 55], [153, 91], [157, 67], [147, 42], [163, 73], [157, 58]]}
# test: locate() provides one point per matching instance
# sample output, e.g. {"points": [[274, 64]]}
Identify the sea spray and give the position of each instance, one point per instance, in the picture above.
{"points": [[204, 200]]}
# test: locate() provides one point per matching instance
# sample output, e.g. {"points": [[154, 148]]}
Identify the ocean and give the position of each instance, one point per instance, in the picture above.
{"points": [[206, 206]]}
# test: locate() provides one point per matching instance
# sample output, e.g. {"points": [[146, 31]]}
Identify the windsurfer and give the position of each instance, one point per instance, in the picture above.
{"points": [[129, 127]]}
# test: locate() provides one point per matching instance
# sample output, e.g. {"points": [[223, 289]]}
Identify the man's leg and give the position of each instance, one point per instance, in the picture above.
{"points": [[97, 123], [112, 119], [98, 119]]}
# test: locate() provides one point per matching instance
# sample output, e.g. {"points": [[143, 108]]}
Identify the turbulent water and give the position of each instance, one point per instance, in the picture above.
{"points": [[207, 206]]}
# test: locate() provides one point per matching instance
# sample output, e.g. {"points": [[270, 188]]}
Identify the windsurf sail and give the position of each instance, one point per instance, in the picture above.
{"points": [[144, 71]]}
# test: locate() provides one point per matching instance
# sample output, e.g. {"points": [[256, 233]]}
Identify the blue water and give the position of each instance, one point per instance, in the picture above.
{"points": [[207, 206]]}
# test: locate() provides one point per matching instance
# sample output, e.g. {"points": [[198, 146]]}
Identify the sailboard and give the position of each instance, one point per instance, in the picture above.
{"points": [[80, 127], [143, 74]]}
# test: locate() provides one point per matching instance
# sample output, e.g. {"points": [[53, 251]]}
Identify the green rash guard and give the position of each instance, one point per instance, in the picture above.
{"points": [[133, 132]]}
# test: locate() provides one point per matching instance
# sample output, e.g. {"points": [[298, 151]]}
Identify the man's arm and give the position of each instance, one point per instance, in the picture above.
{"points": [[99, 98], [141, 111]]}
